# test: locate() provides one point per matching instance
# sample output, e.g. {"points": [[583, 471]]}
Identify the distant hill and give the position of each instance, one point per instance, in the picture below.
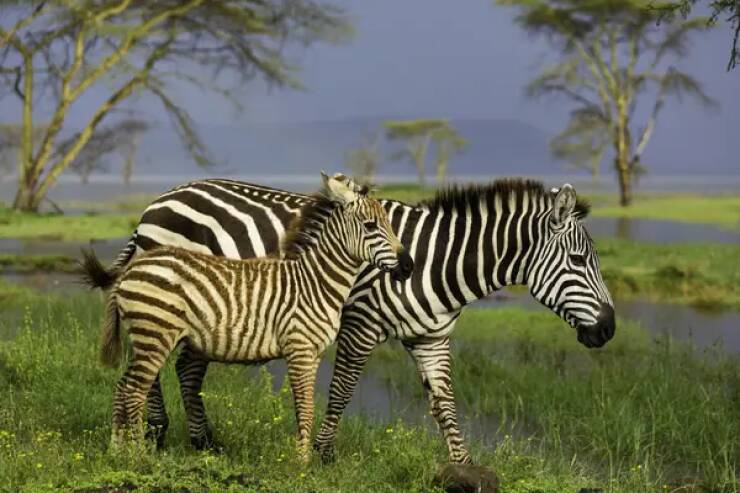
{"points": [[497, 146]]}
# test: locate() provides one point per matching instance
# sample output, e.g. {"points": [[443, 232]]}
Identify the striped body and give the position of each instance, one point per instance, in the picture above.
{"points": [[230, 311], [242, 311], [465, 244]]}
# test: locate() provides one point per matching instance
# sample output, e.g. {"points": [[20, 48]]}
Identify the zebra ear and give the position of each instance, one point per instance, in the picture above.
{"points": [[563, 204], [340, 188]]}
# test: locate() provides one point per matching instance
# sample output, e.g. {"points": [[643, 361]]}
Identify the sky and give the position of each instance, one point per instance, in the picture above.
{"points": [[463, 59], [468, 59]]}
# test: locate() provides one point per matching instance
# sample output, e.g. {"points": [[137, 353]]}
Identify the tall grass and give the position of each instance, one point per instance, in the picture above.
{"points": [[653, 408], [634, 417]]}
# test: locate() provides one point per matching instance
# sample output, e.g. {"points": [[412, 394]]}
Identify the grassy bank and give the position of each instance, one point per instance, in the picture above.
{"points": [[703, 275], [700, 275], [635, 417], [721, 210], [67, 228], [41, 262]]}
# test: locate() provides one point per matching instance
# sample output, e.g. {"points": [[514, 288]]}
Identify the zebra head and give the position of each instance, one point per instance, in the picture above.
{"points": [[369, 235], [565, 276]]}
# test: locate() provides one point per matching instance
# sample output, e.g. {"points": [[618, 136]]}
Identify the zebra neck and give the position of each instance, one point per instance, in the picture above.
{"points": [[327, 271], [475, 251]]}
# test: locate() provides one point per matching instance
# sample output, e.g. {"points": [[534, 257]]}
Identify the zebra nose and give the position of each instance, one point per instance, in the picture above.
{"points": [[405, 266], [601, 332], [606, 322]]}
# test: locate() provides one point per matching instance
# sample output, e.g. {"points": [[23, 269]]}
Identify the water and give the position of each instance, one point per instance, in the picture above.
{"points": [[654, 231], [105, 249], [702, 328]]}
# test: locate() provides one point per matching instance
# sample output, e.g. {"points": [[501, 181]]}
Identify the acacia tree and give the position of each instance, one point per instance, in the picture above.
{"points": [[448, 142], [613, 58], [59, 50], [120, 139], [416, 136], [727, 9], [582, 144], [365, 160]]}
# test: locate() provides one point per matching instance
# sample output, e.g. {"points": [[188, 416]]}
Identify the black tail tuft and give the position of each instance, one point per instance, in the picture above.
{"points": [[94, 274]]}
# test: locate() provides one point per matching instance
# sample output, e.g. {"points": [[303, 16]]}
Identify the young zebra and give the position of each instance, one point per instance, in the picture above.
{"points": [[244, 310]]}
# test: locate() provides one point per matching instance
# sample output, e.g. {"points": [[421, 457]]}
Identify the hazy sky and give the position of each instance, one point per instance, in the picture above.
{"points": [[447, 58], [469, 59]]}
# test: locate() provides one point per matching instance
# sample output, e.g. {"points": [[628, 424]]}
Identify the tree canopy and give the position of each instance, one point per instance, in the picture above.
{"points": [[727, 9], [58, 50], [613, 58]]}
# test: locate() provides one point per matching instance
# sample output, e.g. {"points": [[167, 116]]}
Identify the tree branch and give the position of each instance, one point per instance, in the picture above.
{"points": [[7, 36], [125, 91]]}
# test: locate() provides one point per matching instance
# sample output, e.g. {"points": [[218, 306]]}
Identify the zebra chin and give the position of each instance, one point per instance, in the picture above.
{"points": [[598, 334]]}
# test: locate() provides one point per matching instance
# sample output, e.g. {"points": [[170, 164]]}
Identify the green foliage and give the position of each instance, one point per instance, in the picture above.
{"points": [[405, 129]]}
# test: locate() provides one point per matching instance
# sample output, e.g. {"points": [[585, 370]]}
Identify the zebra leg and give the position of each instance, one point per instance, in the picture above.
{"points": [[191, 369], [302, 367], [433, 361], [354, 346], [156, 415], [133, 387]]}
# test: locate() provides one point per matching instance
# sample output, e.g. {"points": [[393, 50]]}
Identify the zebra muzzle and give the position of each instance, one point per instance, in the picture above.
{"points": [[598, 334], [405, 267]]}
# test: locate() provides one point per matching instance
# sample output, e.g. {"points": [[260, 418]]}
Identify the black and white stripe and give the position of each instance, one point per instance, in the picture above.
{"points": [[243, 311], [466, 243]]}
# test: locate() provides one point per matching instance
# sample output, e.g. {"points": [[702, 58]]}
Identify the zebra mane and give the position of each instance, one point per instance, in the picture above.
{"points": [[302, 232], [458, 197]]}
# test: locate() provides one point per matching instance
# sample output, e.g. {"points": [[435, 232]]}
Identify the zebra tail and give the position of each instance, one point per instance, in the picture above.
{"points": [[94, 274], [110, 347]]}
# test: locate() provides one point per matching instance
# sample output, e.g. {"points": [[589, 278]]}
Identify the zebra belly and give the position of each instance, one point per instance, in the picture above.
{"points": [[236, 344]]}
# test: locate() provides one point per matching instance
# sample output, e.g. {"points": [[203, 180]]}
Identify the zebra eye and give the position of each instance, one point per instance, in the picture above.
{"points": [[578, 260], [371, 225]]}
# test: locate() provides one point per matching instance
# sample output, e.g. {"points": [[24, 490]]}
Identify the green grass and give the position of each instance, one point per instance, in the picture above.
{"points": [[720, 210], [703, 275], [645, 413], [67, 228], [631, 418], [41, 262]]}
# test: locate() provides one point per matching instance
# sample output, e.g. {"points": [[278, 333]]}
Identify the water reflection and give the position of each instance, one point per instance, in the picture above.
{"points": [[702, 328], [653, 231]]}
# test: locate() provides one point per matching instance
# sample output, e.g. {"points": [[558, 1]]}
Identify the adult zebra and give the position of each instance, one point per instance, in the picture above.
{"points": [[466, 243]]}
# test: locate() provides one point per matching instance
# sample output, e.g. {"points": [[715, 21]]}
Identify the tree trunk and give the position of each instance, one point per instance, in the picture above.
{"points": [[26, 197], [622, 163], [623, 148], [441, 171]]}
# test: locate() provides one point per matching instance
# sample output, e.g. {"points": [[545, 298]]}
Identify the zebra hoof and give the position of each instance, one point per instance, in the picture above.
{"points": [[326, 452], [205, 442], [156, 433]]}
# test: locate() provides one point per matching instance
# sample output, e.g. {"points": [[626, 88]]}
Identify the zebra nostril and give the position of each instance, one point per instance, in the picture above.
{"points": [[406, 262]]}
